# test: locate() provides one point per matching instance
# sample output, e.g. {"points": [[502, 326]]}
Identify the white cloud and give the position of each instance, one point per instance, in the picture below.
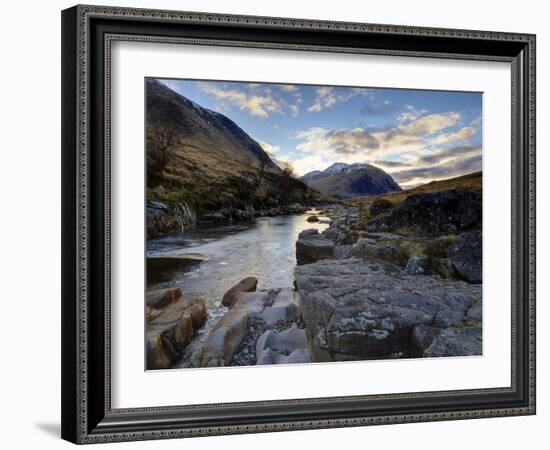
{"points": [[270, 149], [260, 103], [326, 97], [288, 87], [415, 151]]}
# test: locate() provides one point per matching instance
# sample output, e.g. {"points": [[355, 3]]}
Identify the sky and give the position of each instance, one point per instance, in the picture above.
{"points": [[416, 136]]}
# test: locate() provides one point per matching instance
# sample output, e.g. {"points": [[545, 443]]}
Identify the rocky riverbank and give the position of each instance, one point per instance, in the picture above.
{"points": [[410, 288], [365, 288], [164, 217]]}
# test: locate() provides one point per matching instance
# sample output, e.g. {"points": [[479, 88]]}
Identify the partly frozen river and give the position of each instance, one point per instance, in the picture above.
{"points": [[265, 249]]}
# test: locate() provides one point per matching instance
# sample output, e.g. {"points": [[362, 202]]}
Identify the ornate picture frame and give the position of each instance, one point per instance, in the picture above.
{"points": [[88, 33]]}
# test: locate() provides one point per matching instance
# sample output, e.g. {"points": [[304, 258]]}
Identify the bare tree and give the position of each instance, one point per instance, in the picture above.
{"points": [[160, 139], [288, 169]]}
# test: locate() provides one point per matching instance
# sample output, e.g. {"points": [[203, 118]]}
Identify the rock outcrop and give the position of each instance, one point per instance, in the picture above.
{"points": [[370, 309], [172, 320], [446, 211]]}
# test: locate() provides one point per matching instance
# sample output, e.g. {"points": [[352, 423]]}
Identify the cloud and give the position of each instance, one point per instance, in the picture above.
{"points": [[257, 102], [326, 97], [414, 151], [410, 114], [419, 175], [449, 153], [414, 136], [270, 149], [288, 87], [462, 135]]}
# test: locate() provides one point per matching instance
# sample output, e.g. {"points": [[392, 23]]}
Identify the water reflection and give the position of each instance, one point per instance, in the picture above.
{"points": [[264, 249]]}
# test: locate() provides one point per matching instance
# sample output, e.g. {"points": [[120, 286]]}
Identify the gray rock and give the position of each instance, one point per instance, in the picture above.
{"points": [[369, 248], [285, 341], [415, 266], [465, 255], [245, 285], [424, 335], [464, 341], [474, 314], [253, 302], [363, 309], [310, 232], [285, 307], [268, 356], [342, 251], [283, 347], [313, 219], [311, 249]]}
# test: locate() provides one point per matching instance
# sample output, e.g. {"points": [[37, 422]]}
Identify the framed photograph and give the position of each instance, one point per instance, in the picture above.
{"points": [[280, 224]]}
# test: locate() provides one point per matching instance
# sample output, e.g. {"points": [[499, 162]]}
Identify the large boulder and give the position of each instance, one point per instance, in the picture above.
{"points": [[368, 309], [171, 329], [370, 248], [465, 255], [447, 211], [311, 247], [248, 284]]}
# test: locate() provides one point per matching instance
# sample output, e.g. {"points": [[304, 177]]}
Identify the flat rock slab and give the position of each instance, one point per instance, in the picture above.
{"points": [[368, 309]]}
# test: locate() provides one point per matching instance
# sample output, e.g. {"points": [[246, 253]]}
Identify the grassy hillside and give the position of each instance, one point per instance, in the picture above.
{"points": [[200, 157]]}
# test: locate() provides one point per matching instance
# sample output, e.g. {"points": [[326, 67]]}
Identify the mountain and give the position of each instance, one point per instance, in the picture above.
{"points": [[204, 159], [343, 180]]}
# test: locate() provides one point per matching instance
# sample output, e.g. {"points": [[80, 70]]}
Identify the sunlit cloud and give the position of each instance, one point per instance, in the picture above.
{"points": [[288, 87], [326, 97], [258, 103], [413, 151], [270, 149]]}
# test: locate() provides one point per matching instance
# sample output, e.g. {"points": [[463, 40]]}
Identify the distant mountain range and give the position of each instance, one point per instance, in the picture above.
{"points": [[203, 158], [344, 181]]}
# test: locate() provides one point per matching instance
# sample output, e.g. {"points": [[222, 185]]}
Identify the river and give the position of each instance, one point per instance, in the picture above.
{"points": [[265, 249]]}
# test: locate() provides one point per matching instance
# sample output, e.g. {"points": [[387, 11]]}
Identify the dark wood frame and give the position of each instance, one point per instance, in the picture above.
{"points": [[87, 32]]}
